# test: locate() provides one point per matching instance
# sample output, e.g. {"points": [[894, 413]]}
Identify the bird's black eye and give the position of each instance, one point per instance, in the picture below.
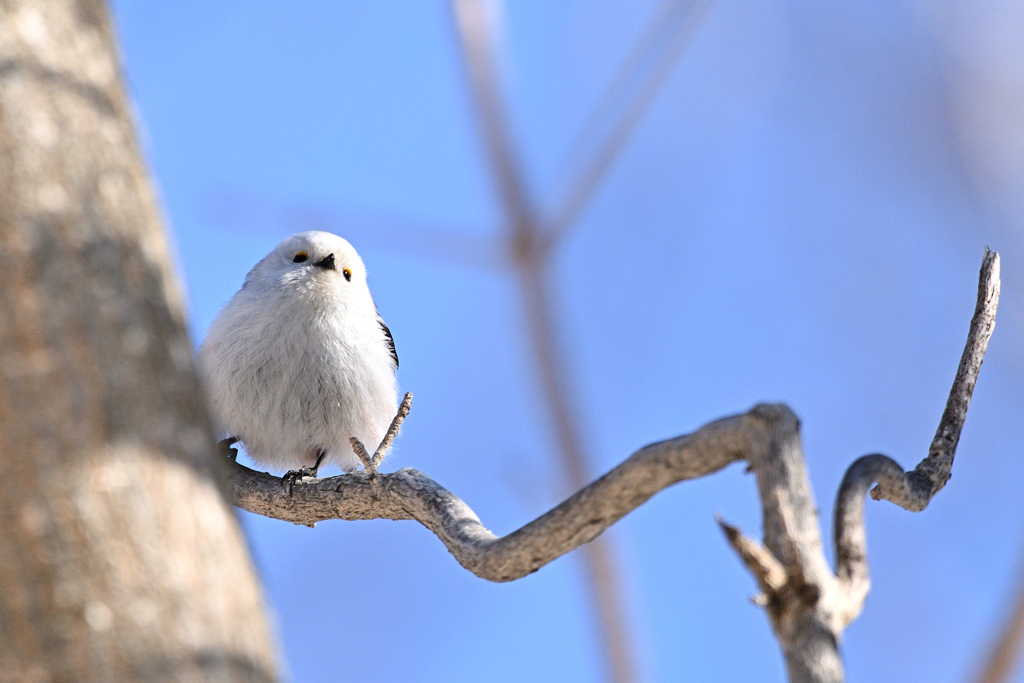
{"points": [[348, 274], [300, 257]]}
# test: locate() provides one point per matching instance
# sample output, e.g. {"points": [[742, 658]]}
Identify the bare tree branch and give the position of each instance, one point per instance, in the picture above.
{"points": [[768, 571], [767, 437], [801, 612], [622, 107], [396, 424], [808, 605], [813, 607], [912, 490], [411, 495]]}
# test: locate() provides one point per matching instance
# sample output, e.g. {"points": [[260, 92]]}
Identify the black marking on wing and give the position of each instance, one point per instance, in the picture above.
{"points": [[389, 339]]}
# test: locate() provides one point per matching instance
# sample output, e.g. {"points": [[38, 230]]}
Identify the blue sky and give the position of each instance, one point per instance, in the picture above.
{"points": [[795, 219]]}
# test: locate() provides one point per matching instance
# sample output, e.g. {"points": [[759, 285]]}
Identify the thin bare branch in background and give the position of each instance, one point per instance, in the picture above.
{"points": [[616, 116], [398, 234], [530, 248], [403, 236], [474, 31], [1004, 651]]}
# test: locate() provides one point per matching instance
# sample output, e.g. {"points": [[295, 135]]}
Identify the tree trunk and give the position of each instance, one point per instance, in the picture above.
{"points": [[120, 558]]}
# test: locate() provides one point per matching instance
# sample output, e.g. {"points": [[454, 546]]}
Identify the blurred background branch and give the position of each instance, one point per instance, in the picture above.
{"points": [[531, 244], [615, 117], [1002, 654], [247, 215]]}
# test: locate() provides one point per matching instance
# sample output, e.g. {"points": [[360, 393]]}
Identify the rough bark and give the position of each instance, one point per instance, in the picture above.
{"points": [[409, 494], [809, 605], [120, 558]]}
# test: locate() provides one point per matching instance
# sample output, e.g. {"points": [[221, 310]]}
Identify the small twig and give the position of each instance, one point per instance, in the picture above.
{"points": [[769, 572], [364, 456], [396, 424], [848, 527], [940, 455], [371, 463]]}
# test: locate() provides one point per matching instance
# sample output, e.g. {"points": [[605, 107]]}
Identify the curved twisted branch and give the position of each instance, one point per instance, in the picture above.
{"points": [[808, 604], [412, 495], [912, 490]]}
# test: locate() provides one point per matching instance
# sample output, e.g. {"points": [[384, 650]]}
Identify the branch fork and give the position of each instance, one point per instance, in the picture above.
{"points": [[371, 463]]}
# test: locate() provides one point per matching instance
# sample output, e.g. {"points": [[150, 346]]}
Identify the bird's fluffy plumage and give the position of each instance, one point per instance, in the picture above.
{"points": [[299, 360]]}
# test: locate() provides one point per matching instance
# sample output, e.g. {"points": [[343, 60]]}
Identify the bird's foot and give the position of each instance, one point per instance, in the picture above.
{"points": [[292, 476], [226, 449]]}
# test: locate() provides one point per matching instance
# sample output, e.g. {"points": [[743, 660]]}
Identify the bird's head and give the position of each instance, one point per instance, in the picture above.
{"points": [[311, 261]]}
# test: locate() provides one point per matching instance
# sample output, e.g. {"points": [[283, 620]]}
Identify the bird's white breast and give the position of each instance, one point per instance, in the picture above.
{"points": [[292, 371]]}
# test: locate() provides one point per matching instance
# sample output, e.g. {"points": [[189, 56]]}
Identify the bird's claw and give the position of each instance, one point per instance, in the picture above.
{"points": [[292, 476]]}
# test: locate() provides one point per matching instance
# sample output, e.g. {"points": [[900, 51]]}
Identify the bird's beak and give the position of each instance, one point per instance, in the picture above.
{"points": [[326, 263]]}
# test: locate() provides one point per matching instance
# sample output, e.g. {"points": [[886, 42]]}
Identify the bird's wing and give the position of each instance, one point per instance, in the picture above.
{"points": [[389, 339]]}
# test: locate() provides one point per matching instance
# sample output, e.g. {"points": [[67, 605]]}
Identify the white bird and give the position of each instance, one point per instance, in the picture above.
{"points": [[299, 361]]}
